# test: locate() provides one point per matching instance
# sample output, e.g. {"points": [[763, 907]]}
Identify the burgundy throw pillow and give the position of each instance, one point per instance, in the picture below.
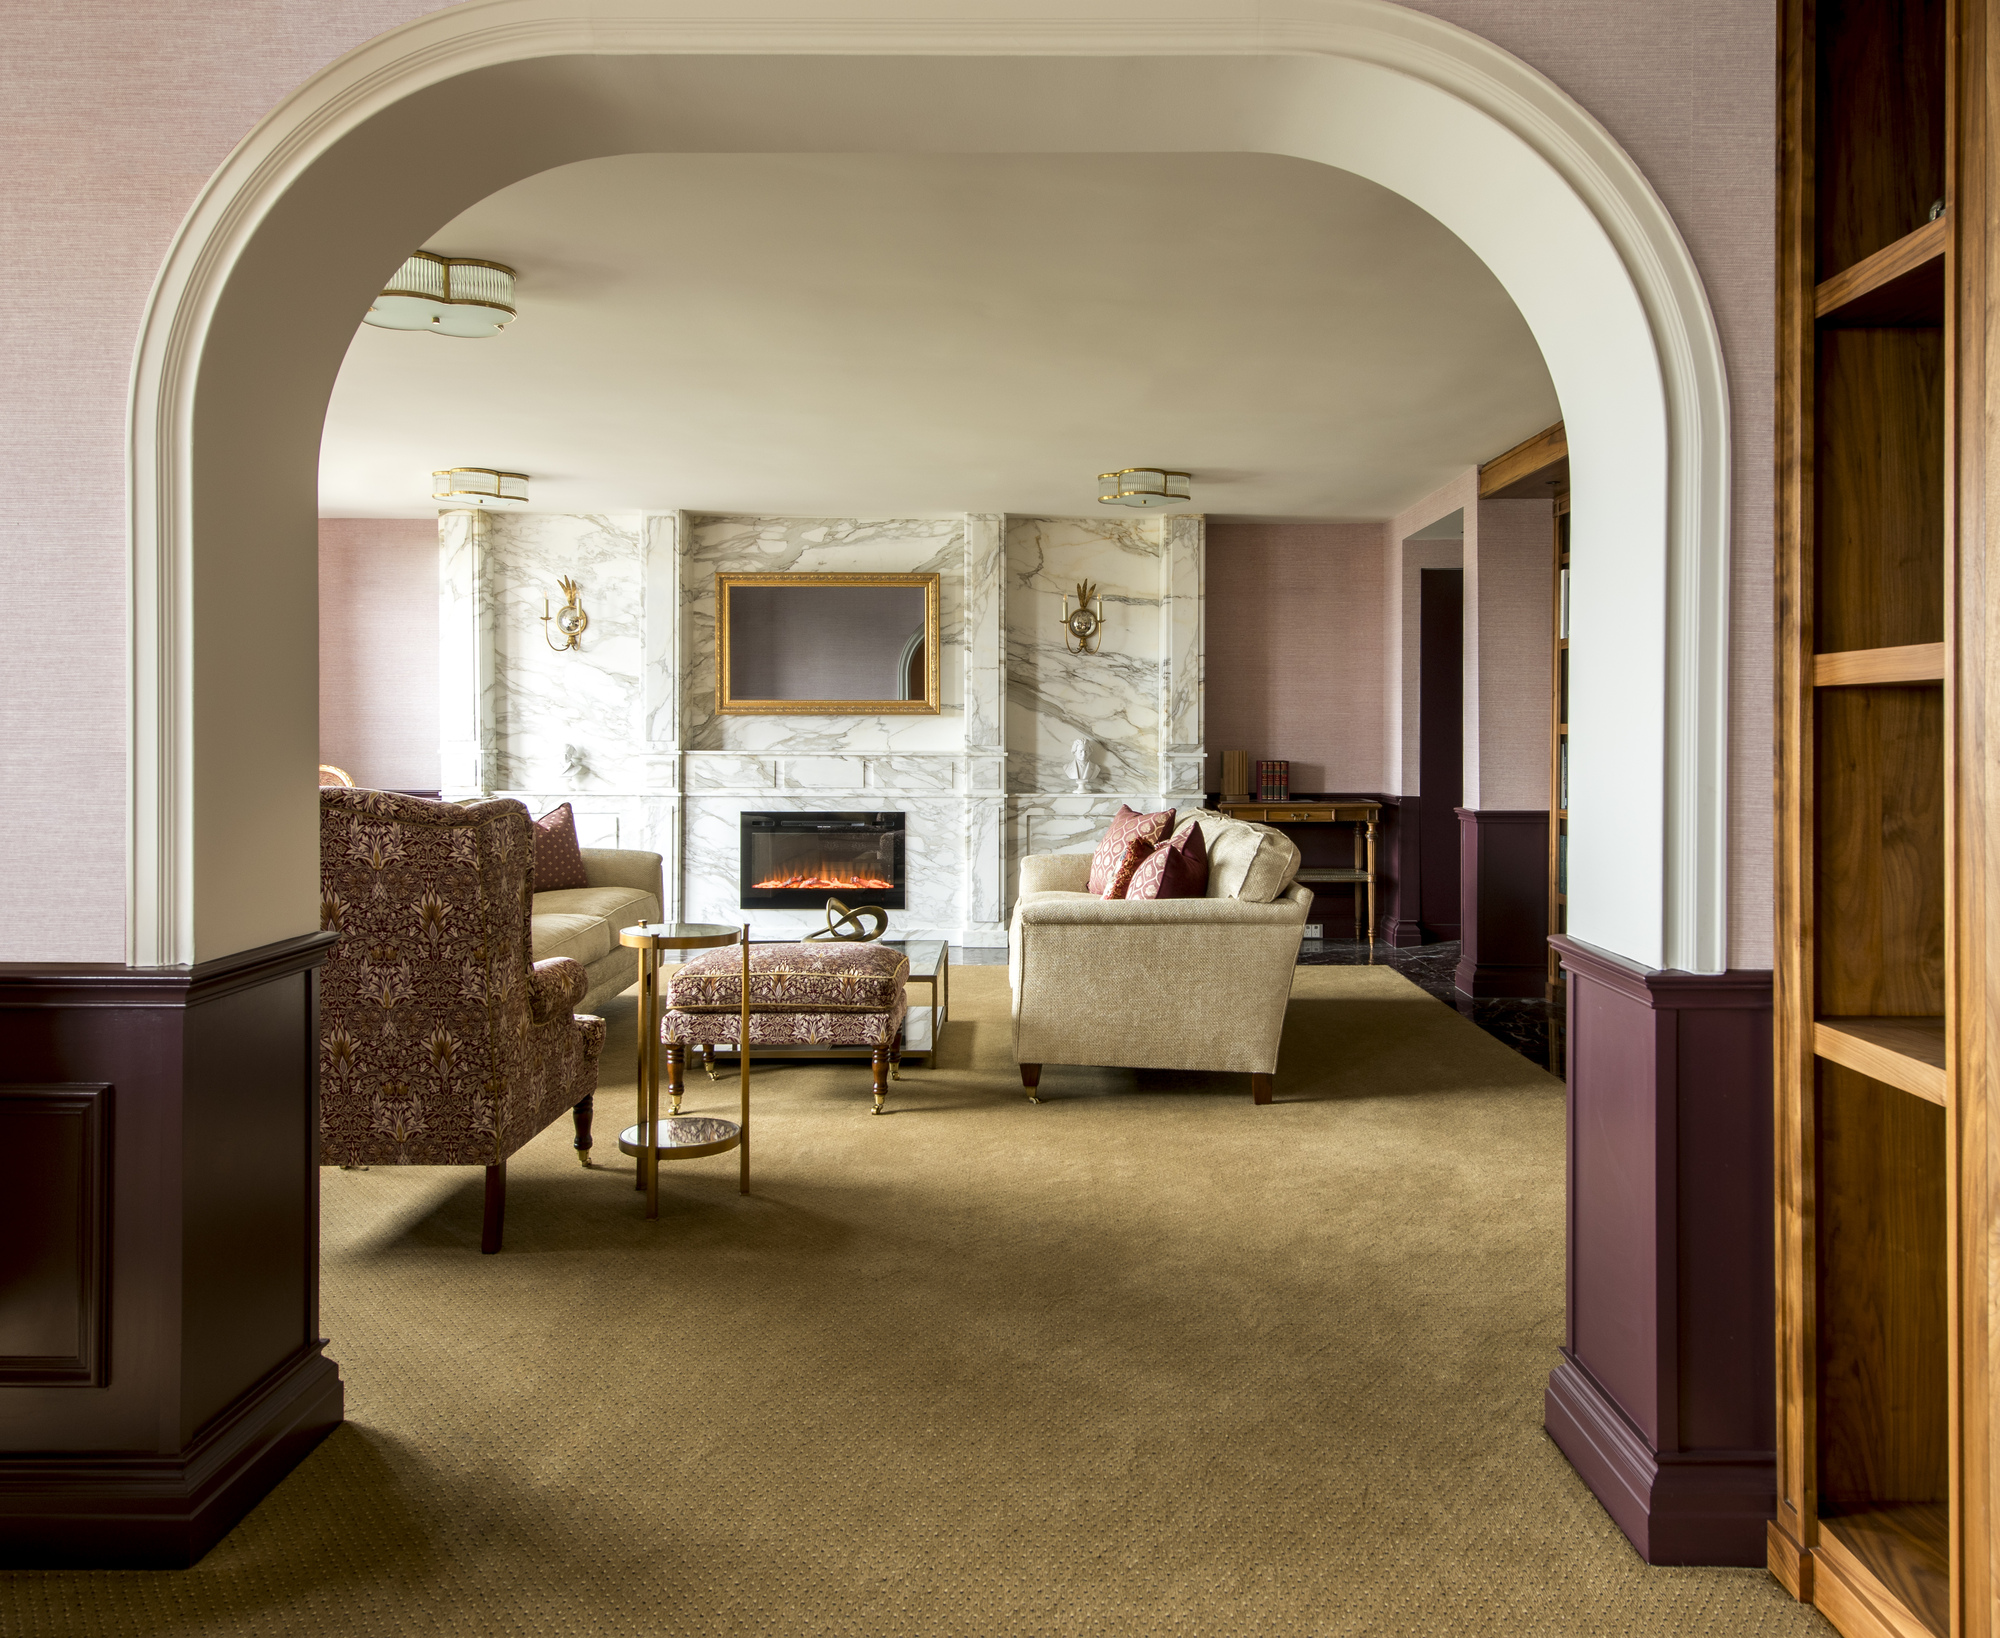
{"points": [[1175, 870], [1150, 828], [558, 860], [1134, 856]]}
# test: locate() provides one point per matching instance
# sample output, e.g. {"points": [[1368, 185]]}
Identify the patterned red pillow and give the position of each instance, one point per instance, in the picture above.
{"points": [[558, 860], [1150, 828], [1129, 864], [1176, 870]]}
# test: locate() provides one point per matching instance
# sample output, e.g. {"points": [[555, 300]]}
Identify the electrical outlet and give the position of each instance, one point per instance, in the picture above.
{"points": [[1315, 930]]}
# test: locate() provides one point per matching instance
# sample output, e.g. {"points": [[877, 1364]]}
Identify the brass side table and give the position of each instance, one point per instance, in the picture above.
{"points": [[681, 1137]]}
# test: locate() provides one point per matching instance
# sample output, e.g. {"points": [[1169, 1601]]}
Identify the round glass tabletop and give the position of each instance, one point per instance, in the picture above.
{"points": [[679, 935], [683, 1137]]}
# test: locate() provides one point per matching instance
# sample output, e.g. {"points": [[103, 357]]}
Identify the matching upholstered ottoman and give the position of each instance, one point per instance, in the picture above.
{"points": [[829, 1000]]}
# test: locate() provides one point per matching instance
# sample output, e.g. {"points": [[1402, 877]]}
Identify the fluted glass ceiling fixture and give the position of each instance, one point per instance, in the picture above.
{"points": [[1142, 486], [448, 296], [479, 486]]}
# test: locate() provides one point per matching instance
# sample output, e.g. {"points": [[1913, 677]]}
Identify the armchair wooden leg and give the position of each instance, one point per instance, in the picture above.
{"points": [[580, 1116], [1260, 1088], [676, 1063], [881, 1068], [496, 1208], [1031, 1077]]}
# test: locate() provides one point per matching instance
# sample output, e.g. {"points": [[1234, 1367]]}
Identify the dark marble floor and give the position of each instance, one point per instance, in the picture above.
{"points": [[1532, 1028]]}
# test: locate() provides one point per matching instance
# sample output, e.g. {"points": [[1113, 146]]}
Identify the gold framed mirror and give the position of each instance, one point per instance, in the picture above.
{"points": [[826, 645]]}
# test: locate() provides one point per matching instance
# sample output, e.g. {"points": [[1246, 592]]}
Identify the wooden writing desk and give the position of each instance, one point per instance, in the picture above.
{"points": [[1358, 811]]}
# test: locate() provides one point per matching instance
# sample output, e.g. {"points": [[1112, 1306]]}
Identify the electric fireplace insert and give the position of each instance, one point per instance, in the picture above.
{"points": [[797, 861]]}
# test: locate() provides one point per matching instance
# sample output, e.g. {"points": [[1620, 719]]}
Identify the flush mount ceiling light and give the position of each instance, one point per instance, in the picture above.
{"points": [[479, 486], [448, 296], [1142, 486]]}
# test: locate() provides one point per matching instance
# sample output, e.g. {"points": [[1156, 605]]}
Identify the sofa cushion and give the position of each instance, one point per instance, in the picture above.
{"points": [[558, 859], [1177, 870], [581, 938], [1126, 868], [817, 978], [1253, 863], [1128, 827]]}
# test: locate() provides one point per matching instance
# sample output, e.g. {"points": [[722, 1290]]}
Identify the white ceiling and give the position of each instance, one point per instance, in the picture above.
{"points": [[871, 335]]}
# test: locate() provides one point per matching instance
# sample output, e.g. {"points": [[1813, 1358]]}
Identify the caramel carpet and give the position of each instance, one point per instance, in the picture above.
{"points": [[1143, 1359]]}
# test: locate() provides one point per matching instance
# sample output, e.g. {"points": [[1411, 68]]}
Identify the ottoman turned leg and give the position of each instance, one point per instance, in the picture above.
{"points": [[708, 1061], [880, 1065], [676, 1063], [1031, 1077], [896, 1057]]}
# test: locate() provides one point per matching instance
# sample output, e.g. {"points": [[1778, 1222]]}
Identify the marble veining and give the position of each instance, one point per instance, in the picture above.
{"points": [[626, 730], [762, 545], [1110, 697]]}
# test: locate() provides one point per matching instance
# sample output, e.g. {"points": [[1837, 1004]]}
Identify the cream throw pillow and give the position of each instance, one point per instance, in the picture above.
{"points": [[1253, 863]]}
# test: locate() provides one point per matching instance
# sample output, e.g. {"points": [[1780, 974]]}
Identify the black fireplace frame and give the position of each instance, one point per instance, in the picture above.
{"points": [[790, 898]]}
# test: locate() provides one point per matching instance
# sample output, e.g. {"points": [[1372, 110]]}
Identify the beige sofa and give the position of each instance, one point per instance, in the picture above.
{"points": [[1162, 983], [583, 922]]}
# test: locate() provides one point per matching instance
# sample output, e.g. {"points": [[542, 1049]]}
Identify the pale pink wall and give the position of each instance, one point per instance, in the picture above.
{"points": [[113, 115], [378, 650], [1404, 561], [1294, 633], [1509, 636]]}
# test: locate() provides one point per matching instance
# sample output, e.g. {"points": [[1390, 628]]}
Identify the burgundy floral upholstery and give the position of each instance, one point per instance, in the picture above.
{"points": [[1174, 870], [558, 859], [792, 978], [1128, 827], [439, 1044]]}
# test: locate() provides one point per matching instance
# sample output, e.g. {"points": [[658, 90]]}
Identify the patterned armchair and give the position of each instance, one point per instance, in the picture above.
{"points": [[439, 1044]]}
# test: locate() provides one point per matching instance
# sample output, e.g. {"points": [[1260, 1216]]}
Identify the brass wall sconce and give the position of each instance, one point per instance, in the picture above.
{"points": [[1083, 628], [570, 619]]}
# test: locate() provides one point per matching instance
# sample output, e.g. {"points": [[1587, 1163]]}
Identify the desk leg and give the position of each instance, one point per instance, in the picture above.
{"points": [[1371, 887]]}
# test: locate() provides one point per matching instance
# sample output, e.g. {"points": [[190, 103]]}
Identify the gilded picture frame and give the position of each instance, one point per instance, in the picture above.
{"points": [[726, 702]]}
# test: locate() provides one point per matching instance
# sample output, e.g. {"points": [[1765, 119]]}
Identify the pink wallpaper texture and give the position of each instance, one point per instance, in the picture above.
{"points": [[378, 650], [114, 115], [1295, 636]]}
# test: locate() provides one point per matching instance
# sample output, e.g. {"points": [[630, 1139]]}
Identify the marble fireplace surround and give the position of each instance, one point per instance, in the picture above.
{"points": [[626, 730]]}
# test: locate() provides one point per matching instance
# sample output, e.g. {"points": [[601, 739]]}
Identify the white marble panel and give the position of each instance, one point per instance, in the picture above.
{"points": [[660, 703], [1110, 697], [913, 773], [985, 631], [985, 874], [726, 772], [822, 773], [566, 719], [465, 656], [763, 545]]}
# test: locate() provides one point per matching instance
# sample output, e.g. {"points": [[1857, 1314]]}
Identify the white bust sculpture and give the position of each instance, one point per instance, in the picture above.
{"points": [[1079, 763]]}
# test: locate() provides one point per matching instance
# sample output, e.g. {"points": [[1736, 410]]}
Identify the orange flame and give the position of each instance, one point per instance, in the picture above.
{"points": [[823, 876]]}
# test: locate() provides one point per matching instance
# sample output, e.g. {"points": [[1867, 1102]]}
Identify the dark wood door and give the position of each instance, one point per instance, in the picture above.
{"points": [[1440, 746]]}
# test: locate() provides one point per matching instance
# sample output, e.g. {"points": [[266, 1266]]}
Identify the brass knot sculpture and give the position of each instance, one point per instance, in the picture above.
{"points": [[848, 925]]}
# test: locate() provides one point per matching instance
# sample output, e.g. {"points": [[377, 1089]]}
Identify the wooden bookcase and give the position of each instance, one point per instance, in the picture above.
{"points": [[1880, 1097]]}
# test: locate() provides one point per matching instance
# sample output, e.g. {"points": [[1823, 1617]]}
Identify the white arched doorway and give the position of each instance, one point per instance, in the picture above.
{"points": [[272, 270]]}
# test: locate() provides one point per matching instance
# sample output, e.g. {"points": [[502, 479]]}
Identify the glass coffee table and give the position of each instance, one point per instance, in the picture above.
{"points": [[930, 965]]}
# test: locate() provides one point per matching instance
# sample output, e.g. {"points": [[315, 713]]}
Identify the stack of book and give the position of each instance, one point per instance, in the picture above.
{"points": [[1274, 781]]}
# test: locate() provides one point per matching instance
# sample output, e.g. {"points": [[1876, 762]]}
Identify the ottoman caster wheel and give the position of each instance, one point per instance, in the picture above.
{"points": [[878, 1106]]}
